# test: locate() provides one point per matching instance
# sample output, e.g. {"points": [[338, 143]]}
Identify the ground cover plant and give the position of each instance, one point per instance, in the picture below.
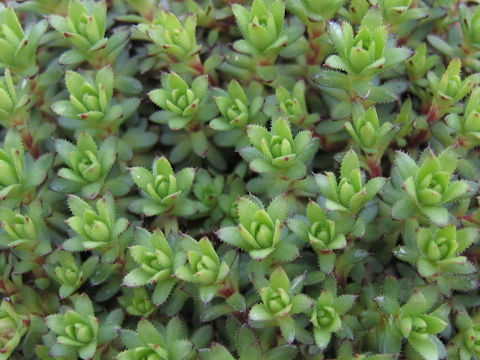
{"points": [[239, 179]]}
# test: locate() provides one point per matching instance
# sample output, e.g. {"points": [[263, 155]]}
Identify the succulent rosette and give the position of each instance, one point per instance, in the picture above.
{"points": [[157, 263], [84, 27], [173, 39], [278, 152], [79, 332], [466, 345], [181, 103], [156, 343], [20, 173], [427, 186], [98, 229], [163, 189], [12, 327], [76, 331], [88, 164], [27, 232], [323, 234], [350, 193], [262, 27], [365, 53], [205, 268], [293, 105], [437, 252], [19, 48], [280, 303], [137, 302], [327, 313], [69, 273], [367, 131], [441, 248], [238, 108], [468, 125], [449, 89], [418, 325], [90, 104], [260, 230]]}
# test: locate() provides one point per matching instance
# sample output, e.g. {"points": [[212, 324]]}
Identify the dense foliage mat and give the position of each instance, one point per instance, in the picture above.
{"points": [[236, 179]]}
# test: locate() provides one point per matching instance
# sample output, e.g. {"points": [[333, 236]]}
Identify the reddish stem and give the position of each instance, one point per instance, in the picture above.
{"points": [[433, 115], [315, 48], [419, 138], [227, 292], [30, 144], [198, 67], [341, 279], [469, 218], [331, 147], [374, 168]]}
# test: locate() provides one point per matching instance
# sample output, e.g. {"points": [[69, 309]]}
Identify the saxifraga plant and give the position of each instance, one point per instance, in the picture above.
{"points": [[238, 180]]}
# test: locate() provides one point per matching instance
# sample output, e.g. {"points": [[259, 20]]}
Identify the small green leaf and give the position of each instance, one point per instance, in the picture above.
{"points": [[232, 236], [260, 313], [403, 209], [349, 164], [437, 214], [136, 277], [279, 279], [322, 337], [424, 347], [301, 303], [287, 327], [219, 352], [416, 305]]}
